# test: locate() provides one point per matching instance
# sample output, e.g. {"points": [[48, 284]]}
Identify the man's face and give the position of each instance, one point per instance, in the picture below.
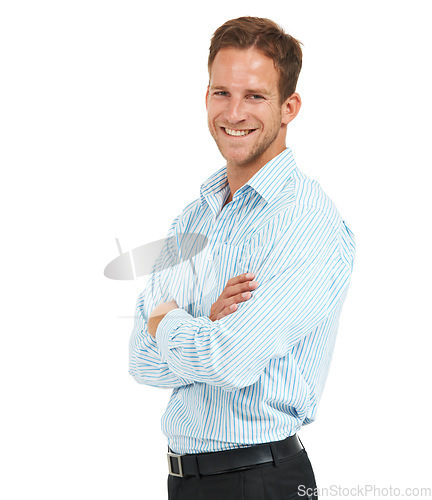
{"points": [[243, 106]]}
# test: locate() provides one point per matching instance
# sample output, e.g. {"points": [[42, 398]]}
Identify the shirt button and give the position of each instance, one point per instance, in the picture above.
{"points": [[210, 258]]}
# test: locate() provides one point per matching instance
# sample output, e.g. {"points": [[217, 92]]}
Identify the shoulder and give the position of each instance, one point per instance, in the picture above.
{"points": [[309, 196], [311, 206]]}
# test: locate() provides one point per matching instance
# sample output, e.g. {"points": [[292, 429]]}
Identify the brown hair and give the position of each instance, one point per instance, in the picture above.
{"points": [[266, 36]]}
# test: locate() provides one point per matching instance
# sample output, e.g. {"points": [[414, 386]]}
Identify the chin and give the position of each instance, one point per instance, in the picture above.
{"points": [[241, 160]]}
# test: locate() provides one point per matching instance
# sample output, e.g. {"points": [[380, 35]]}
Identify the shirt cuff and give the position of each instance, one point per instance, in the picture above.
{"points": [[170, 322]]}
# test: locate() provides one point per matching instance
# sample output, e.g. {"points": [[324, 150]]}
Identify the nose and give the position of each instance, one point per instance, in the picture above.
{"points": [[235, 111]]}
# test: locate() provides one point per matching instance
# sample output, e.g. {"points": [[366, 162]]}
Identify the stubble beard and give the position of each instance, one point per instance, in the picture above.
{"points": [[257, 150]]}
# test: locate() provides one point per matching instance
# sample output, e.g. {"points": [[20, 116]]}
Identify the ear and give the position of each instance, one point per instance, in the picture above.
{"points": [[290, 108], [207, 94]]}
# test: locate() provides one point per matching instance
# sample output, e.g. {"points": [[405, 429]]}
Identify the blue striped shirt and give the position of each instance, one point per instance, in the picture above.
{"points": [[256, 375]]}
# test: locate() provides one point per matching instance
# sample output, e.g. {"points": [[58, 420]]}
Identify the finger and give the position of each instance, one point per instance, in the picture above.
{"points": [[232, 306], [241, 278], [227, 310], [241, 287]]}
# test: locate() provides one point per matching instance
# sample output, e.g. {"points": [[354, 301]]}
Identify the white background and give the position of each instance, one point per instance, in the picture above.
{"points": [[104, 135]]}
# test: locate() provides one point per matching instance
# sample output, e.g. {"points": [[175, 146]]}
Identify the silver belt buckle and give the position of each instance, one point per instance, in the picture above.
{"points": [[174, 456]]}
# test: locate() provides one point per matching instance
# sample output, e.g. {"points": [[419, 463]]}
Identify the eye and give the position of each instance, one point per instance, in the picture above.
{"points": [[220, 93], [256, 97]]}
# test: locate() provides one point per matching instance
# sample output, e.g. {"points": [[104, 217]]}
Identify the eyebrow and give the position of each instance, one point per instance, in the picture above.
{"points": [[248, 91]]}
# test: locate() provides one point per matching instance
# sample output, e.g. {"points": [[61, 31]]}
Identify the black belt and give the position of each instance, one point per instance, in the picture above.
{"points": [[241, 458]]}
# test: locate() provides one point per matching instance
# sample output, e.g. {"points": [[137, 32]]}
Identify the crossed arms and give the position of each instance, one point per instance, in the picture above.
{"points": [[237, 290], [300, 282]]}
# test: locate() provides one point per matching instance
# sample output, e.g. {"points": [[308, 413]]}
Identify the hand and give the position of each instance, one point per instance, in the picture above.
{"points": [[237, 289], [157, 315]]}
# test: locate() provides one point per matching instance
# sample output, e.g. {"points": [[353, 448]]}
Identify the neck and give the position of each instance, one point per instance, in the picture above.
{"points": [[239, 175]]}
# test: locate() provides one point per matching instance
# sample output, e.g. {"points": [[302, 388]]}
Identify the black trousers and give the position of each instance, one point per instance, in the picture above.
{"points": [[292, 478]]}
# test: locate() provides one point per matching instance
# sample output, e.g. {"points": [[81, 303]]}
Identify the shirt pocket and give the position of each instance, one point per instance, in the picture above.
{"points": [[265, 253], [253, 259], [220, 264], [227, 260]]}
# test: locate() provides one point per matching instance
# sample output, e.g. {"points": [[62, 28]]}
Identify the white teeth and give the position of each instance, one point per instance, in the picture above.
{"points": [[230, 131]]}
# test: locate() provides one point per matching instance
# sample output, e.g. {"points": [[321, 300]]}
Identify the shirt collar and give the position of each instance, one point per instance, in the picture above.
{"points": [[267, 182]]}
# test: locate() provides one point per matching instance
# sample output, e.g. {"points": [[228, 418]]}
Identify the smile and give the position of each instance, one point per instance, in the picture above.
{"points": [[237, 133]]}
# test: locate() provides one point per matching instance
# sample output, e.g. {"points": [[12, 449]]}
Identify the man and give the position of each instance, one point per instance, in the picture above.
{"points": [[243, 326]]}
